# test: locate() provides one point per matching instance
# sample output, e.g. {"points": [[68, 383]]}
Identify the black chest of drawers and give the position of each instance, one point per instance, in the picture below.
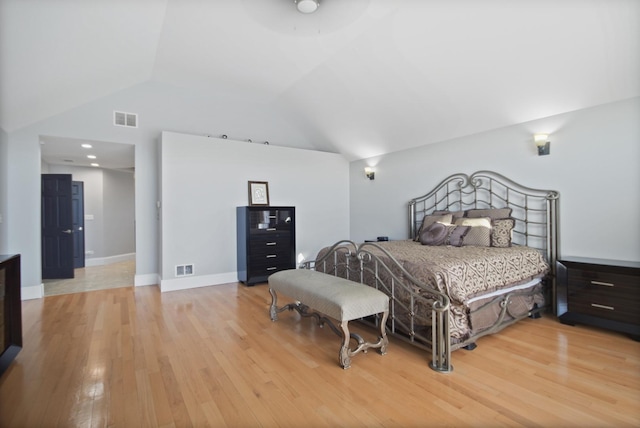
{"points": [[266, 242], [603, 293]]}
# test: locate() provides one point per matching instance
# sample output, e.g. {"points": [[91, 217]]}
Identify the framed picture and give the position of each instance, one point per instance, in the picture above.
{"points": [[258, 193]]}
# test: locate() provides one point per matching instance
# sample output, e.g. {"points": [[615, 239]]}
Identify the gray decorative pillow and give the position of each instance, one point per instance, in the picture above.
{"points": [[479, 233], [428, 220], [456, 214], [442, 234], [457, 235], [492, 213], [434, 234], [501, 232]]}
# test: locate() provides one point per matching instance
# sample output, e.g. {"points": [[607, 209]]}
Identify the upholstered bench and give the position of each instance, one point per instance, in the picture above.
{"points": [[335, 297]]}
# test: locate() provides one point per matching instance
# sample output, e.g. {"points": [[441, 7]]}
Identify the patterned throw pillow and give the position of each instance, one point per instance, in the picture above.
{"points": [[480, 232], [501, 233]]}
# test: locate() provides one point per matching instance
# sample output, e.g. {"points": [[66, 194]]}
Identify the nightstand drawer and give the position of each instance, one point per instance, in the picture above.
{"points": [[625, 286], [605, 306]]}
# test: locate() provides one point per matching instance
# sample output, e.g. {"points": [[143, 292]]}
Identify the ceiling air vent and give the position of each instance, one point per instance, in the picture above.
{"points": [[129, 120]]}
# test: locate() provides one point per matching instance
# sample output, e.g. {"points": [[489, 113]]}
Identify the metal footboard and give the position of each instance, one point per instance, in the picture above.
{"points": [[417, 314]]}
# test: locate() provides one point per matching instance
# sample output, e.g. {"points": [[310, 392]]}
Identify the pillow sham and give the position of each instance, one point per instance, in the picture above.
{"points": [[502, 232], [443, 234], [428, 220], [492, 213], [454, 214], [479, 233]]}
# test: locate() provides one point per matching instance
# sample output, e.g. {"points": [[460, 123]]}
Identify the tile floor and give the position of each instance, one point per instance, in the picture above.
{"points": [[92, 278]]}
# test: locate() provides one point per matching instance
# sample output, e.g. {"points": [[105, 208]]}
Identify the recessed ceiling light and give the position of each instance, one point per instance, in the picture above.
{"points": [[86, 146], [307, 6], [95, 164], [91, 156]]}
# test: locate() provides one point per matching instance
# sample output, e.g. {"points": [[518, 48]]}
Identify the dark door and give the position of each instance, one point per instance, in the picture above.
{"points": [[57, 226], [77, 211]]}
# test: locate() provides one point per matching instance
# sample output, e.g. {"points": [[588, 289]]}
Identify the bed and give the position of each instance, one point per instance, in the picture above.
{"points": [[480, 256]]}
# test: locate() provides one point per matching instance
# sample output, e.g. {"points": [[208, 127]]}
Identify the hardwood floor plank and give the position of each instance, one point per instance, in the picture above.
{"points": [[173, 393], [212, 357]]}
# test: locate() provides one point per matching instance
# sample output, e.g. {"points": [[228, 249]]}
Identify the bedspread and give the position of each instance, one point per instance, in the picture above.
{"points": [[466, 272]]}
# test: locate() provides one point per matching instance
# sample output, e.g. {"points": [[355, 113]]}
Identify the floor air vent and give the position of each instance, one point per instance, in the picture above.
{"points": [[182, 270], [129, 120]]}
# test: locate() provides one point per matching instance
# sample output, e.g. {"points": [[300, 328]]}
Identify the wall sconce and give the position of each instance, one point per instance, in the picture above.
{"points": [[543, 144], [370, 173]]}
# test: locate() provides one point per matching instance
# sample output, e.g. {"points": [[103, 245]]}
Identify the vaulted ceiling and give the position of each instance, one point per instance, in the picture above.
{"points": [[370, 76]]}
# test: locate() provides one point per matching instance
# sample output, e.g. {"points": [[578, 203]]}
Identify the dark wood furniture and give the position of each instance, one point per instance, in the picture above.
{"points": [[266, 242], [603, 293], [10, 310]]}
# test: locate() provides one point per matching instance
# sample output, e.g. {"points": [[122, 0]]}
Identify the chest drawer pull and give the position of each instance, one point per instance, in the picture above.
{"points": [[272, 268], [271, 256], [595, 305], [271, 243], [271, 228], [606, 284]]}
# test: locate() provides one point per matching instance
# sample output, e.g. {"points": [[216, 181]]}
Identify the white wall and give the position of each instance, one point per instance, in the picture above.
{"points": [[23, 211], [600, 139], [205, 179], [4, 162], [119, 213], [160, 107], [594, 164]]}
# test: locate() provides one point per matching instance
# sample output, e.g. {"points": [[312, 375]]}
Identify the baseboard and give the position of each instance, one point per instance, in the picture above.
{"points": [[33, 292], [101, 261], [177, 284], [146, 279]]}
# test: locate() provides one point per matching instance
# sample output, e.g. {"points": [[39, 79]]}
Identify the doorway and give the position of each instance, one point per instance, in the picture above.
{"points": [[105, 216]]}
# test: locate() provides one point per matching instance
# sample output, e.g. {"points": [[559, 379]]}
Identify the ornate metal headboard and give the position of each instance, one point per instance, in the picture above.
{"points": [[535, 210]]}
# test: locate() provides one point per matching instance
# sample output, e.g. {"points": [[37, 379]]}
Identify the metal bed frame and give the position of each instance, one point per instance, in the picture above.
{"points": [[536, 225]]}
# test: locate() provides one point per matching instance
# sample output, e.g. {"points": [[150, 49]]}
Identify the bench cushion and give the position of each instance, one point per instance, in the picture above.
{"points": [[335, 297]]}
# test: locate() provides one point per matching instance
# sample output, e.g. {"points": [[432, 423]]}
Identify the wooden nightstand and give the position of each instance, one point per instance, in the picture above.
{"points": [[603, 293]]}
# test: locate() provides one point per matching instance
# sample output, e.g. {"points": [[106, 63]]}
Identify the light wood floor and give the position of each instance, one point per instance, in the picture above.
{"points": [[130, 357], [113, 275]]}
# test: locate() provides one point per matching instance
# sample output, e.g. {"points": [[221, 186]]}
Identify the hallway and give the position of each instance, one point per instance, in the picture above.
{"points": [[114, 275]]}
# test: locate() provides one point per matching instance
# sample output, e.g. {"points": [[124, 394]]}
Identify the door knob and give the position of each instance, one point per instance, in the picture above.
{"points": [[69, 231]]}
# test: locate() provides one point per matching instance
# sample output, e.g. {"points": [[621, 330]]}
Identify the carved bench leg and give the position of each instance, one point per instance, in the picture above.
{"points": [[273, 309], [384, 340], [345, 358]]}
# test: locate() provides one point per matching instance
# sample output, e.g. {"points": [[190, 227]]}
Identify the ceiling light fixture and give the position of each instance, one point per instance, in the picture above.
{"points": [[307, 6], [86, 146], [91, 156]]}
